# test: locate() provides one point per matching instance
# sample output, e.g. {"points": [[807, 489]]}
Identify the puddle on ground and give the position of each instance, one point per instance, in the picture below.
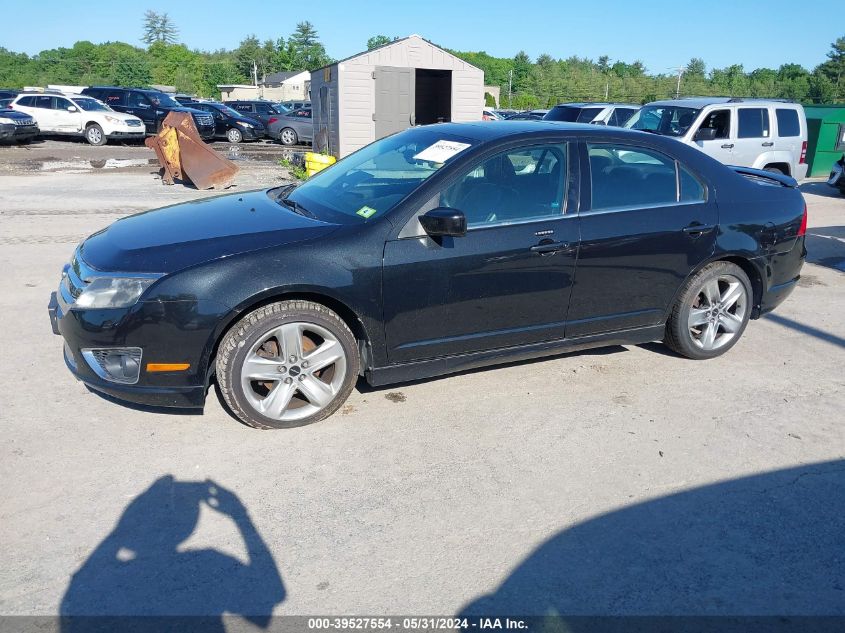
{"points": [[75, 165]]}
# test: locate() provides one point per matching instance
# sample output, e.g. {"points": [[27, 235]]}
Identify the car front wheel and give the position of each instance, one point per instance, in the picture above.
{"points": [[94, 135], [711, 312], [287, 364], [234, 135]]}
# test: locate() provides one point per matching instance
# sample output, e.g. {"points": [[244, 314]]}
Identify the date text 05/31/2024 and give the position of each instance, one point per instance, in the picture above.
{"points": [[416, 624]]}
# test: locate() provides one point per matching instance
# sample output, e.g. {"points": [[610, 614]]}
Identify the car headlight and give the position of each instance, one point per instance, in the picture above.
{"points": [[5, 120], [112, 292], [112, 119], [245, 124]]}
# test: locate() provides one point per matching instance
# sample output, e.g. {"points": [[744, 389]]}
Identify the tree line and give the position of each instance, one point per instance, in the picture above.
{"points": [[524, 82]]}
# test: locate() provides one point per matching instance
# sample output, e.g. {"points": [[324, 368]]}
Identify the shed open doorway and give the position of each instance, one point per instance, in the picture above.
{"points": [[432, 96]]}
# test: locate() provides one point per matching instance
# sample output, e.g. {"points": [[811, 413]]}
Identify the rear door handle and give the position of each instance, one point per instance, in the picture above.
{"points": [[549, 248], [728, 146], [695, 230], [769, 144]]}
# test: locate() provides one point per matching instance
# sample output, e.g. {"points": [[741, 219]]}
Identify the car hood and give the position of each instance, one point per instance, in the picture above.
{"points": [[121, 115], [13, 114], [176, 237]]}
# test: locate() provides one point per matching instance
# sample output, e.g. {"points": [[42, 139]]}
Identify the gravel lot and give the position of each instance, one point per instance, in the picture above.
{"points": [[421, 498]]}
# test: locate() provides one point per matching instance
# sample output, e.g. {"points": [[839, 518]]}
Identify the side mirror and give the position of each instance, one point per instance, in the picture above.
{"points": [[444, 221], [72, 109], [705, 134]]}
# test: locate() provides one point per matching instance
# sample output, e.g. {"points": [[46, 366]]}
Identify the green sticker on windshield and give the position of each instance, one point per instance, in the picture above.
{"points": [[365, 212]]}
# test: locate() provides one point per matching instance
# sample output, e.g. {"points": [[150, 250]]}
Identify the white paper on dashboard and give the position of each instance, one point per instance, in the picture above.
{"points": [[441, 151]]}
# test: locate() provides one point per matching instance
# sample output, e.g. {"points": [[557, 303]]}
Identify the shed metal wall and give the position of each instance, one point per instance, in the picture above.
{"points": [[356, 87], [318, 81]]}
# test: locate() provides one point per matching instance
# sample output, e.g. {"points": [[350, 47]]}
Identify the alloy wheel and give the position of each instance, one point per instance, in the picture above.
{"points": [[94, 135], [288, 136], [293, 371], [718, 312]]}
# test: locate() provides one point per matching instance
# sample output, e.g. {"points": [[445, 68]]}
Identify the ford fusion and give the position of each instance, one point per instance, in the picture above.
{"points": [[435, 250]]}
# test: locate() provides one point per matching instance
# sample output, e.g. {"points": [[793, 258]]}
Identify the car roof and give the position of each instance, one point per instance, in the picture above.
{"points": [[486, 131], [594, 104], [701, 102]]}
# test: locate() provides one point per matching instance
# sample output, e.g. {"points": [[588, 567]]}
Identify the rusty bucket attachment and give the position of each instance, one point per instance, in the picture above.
{"points": [[183, 155]]}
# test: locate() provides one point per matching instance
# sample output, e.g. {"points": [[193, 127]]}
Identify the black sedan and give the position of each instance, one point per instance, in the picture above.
{"points": [[229, 124], [435, 250]]}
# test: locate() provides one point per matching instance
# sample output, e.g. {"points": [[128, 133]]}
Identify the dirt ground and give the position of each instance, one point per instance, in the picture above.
{"points": [[625, 480]]}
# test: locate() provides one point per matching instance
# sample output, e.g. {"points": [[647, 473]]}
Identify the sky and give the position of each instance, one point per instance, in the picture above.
{"points": [[662, 34]]}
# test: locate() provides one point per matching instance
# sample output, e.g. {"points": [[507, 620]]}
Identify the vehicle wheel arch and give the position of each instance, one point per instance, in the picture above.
{"points": [[782, 167], [747, 266], [347, 314]]}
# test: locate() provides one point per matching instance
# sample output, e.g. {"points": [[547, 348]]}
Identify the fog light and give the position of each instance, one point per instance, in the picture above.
{"points": [[115, 364]]}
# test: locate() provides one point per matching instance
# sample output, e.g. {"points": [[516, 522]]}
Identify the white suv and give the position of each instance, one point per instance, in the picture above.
{"points": [[758, 133], [78, 115]]}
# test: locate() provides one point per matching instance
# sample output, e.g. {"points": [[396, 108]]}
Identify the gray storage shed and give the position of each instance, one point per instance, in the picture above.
{"points": [[388, 89]]}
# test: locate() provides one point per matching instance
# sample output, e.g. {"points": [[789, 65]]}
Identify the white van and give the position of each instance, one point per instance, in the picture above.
{"points": [[759, 133]]}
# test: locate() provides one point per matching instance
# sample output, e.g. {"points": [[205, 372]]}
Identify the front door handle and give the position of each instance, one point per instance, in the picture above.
{"points": [[768, 144], [547, 247], [696, 229], [728, 146]]}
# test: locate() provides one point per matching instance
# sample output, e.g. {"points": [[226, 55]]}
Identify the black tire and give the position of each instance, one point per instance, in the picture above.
{"points": [[94, 135], [679, 337], [24, 141], [239, 340], [234, 135], [775, 170], [288, 136]]}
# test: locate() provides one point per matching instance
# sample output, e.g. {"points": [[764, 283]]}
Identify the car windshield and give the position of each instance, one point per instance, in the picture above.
{"points": [[161, 99], [280, 108], [92, 105], [666, 120], [372, 181], [567, 114]]}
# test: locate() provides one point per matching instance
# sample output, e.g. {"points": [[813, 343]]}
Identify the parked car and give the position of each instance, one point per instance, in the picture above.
{"points": [[185, 99], [488, 114], [230, 124], [259, 110], [758, 133], [78, 115], [531, 115], [837, 175], [435, 250], [8, 93], [296, 105], [615, 114], [17, 127], [296, 126], [151, 106]]}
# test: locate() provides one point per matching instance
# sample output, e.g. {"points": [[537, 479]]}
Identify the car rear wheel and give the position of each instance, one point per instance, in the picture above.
{"points": [[94, 135], [287, 364], [711, 312], [234, 135], [288, 136]]}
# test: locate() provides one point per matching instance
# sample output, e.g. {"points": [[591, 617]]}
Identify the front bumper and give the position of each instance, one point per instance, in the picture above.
{"points": [[179, 331], [11, 132]]}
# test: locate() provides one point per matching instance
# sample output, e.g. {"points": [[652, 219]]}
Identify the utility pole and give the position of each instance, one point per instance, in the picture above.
{"points": [[510, 86], [681, 70], [254, 73]]}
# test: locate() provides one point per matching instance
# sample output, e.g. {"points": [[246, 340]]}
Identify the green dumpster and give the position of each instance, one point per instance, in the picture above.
{"points": [[825, 137]]}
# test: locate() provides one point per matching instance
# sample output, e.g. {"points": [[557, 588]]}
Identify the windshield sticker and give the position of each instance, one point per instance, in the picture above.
{"points": [[365, 212], [441, 151]]}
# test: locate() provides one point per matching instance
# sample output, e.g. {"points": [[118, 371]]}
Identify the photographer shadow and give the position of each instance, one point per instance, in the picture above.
{"points": [[138, 578]]}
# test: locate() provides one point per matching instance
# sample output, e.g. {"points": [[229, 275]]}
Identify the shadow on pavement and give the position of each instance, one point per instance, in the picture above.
{"points": [[809, 330], [139, 569], [826, 246], [821, 188], [766, 545]]}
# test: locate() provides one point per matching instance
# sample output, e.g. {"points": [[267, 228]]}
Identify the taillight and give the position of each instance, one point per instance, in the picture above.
{"points": [[803, 228], [803, 158], [272, 119]]}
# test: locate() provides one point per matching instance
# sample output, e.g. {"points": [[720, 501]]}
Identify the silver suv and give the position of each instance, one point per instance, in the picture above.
{"points": [[759, 133]]}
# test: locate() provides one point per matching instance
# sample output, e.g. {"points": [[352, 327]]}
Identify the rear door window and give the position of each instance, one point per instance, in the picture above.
{"points": [[788, 124], [629, 177], [243, 107], [753, 123], [27, 102], [620, 116], [112, 97], [44, 102]]}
